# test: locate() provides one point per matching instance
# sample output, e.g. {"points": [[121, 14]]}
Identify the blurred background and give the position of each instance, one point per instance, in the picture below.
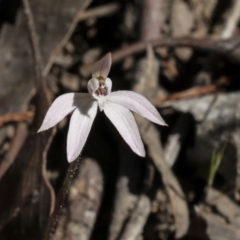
{"points": [[184, 56]]}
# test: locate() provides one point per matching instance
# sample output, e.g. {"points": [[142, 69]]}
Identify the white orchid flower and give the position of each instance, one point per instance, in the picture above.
{"points": [[116, 105]]}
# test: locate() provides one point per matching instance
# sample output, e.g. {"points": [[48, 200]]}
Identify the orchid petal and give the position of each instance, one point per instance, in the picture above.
{"points": [[125, 123], [137, 103], [92, 86], [102, 67], [79, 128], [62, 106], [108, 83]]}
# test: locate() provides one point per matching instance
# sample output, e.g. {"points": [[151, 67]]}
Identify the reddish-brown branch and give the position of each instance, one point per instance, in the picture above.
{"points": [[16, 117], [194, 92]]}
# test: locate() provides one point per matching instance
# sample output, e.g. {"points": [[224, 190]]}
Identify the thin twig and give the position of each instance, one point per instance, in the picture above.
{"points": [[34, 42], [16, 117], [102, 11], [232, 20], [194, 92], [44, 171], [146, 69], [227, 47], [224, 47], [128, 204], [105, 10], [16, 144], [19, 136], [42, 96], [65, 39]]}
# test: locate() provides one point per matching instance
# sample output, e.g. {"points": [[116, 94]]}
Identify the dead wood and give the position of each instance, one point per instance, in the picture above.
{"points": [[132, 201], [232, 21], [138, 219], [102, 11], [217, 117], [226, 208], [80, 16], [177, 138], [149, 70], [129, 184], [210, 226], [33, 183], [177, 198], [32, 193], [146, 70], [151, 16], [16, 144], [181, 25], [21, 67], [16, 63], [228, 48], [132, 210], [149, 202]]}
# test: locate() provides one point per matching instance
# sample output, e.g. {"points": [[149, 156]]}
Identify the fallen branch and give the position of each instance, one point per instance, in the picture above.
{"points": [[224, 47], [228, 48]]}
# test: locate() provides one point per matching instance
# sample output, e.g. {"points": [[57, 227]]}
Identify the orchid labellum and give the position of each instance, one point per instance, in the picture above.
{"points": [[116, 105]]}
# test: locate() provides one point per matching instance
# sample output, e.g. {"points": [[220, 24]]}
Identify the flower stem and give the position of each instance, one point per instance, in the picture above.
{"points": [[61, 199]]}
